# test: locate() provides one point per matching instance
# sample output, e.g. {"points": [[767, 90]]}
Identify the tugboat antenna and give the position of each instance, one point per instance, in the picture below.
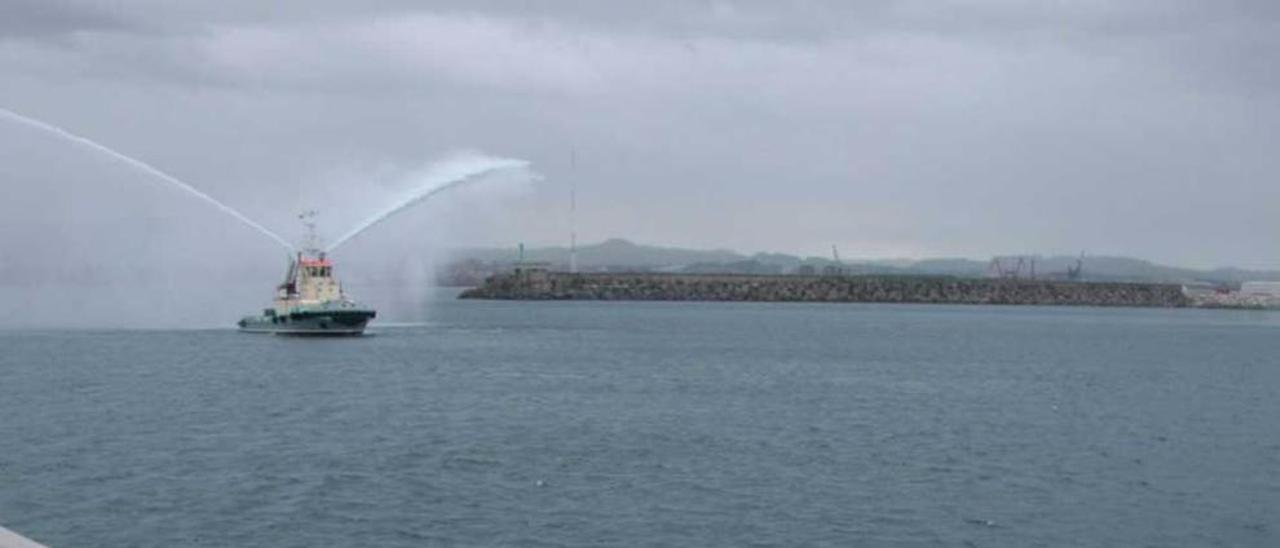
{"points": [[312, 243]]}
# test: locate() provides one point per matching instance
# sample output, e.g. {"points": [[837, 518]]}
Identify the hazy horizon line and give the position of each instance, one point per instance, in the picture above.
{"points": [[859, 258]]}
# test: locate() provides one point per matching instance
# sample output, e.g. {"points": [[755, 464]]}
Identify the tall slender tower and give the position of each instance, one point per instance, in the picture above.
{"points": [[311, 242], [573, 210]]}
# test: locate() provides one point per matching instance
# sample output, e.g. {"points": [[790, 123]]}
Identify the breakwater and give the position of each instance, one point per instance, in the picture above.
{"points": [[536, 284]]}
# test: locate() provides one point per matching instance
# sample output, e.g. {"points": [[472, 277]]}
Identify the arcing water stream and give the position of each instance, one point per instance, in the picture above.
{"points": [[144, 167], [443, 178]]}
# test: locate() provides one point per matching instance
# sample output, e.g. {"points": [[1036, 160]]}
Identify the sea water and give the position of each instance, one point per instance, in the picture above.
{"points": [[654, 424]]}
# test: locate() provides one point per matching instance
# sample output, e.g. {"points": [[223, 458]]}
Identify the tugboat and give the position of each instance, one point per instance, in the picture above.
{"points": [[310, 301]]}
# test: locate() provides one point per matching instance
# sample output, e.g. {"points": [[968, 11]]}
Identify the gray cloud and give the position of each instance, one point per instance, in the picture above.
{"points": [[45, 19], [909, 127]]}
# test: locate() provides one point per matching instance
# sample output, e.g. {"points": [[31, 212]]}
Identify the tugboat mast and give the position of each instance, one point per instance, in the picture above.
{"points": [[311, 242]]}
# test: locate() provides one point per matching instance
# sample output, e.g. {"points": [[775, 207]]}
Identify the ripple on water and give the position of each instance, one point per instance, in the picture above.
{"points": [[564, 424]]}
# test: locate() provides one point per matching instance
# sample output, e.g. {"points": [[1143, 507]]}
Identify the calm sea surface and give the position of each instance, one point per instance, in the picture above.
{"points": [[655, 424]]}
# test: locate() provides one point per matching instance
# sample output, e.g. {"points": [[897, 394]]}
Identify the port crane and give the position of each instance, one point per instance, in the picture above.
{"points": [[1000, 269], [1006, 268], [1074, 273], [836, 269]]}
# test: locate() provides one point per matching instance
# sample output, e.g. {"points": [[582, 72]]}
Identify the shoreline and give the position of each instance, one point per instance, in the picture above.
{"points": [[539, 284]]}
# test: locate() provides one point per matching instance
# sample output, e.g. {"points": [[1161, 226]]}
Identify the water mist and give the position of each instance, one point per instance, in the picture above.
{"points": [[145, 168]]}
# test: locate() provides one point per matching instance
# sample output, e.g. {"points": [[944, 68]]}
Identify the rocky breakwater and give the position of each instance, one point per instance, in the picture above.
{"points": [[544, 285]]}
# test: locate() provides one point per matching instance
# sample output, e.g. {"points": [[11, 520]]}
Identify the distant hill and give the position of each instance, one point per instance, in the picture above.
{"points": [[619, 254], [612, 253]]}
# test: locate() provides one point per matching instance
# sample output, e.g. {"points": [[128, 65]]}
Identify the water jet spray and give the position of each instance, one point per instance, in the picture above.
{"points": [[145, 168], [435, 183]]}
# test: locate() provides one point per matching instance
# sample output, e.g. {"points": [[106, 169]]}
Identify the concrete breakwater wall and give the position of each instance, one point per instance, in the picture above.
{"points": [[543, 285]]}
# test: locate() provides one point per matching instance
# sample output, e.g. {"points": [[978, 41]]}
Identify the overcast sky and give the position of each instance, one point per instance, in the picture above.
{"points": [[891, 128]]}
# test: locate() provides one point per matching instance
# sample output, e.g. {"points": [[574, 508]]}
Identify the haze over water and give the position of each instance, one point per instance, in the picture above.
{"points": [[901, 129], [678, 424]]}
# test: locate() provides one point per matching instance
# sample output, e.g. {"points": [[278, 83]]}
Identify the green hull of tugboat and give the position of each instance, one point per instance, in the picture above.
{"points": [[336, 321]]}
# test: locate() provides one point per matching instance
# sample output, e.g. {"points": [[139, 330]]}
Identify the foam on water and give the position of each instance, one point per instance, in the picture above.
{"points": [[666, 424]]}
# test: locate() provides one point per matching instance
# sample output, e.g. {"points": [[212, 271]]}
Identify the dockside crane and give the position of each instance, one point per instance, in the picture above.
{"points": [[998, 268], [1074, 273], [836, 269]]}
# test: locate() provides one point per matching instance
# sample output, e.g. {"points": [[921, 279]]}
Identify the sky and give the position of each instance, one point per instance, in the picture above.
{"points": [[913, 128]]}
